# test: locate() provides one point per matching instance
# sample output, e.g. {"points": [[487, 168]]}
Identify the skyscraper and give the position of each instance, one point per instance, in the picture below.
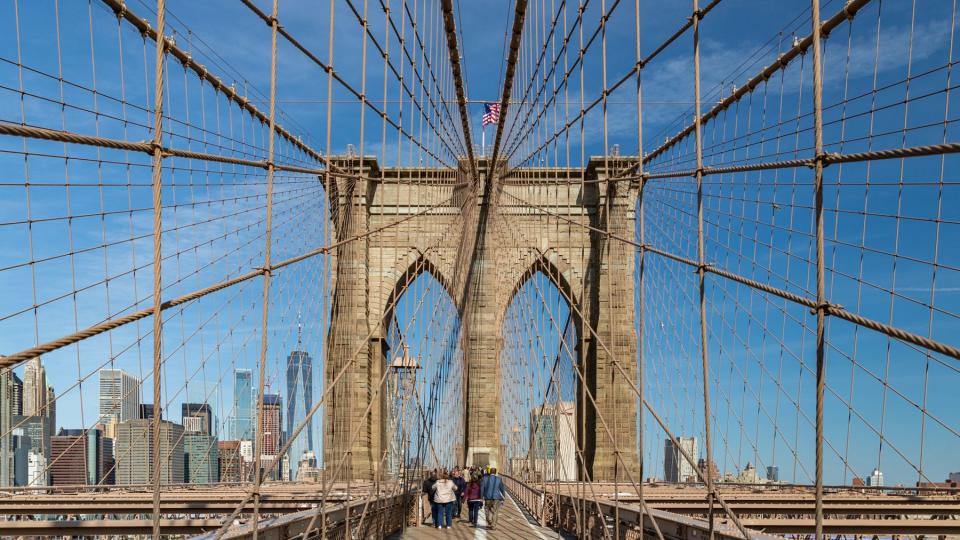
{"points": [[146, 410], [201, 456], [299, 400], [21, 447], [76, 457], [6, 440], [676, 468], [242, 404], [34, 388], [37, 429], [119, 395], [553, 441], [109, 463], [773, 473], [230, 461], [197, 418], [50, 408], [134, 447], [272, 422], [37, 474], [16, 394]]}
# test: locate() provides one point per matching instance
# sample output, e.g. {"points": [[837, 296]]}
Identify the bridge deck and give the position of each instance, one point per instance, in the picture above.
{"points": [[513, 524]]}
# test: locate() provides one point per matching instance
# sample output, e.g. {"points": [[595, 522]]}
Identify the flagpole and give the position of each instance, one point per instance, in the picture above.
{"points": [[483, 142]]}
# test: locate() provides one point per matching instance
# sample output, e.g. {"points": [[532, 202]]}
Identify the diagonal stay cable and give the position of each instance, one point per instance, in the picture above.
{"points": [[22, 356], [831, 309], [451, 31], [519, 15]]}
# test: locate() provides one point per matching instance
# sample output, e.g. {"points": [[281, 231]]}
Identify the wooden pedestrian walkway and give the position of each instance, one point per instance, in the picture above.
{"points": [[513, 524]]}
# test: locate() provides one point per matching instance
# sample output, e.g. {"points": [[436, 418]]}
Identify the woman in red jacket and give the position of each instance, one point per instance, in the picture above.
{"points": [[474, 500]]}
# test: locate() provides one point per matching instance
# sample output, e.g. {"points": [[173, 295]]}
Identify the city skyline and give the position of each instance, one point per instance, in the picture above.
{"points": [[40, 451]]}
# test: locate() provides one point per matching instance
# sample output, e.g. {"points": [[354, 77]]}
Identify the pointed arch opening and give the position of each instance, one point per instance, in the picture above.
{"points": [[539, 363], [424, 358]]}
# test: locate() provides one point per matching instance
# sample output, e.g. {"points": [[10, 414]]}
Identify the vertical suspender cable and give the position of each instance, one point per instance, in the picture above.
{"points": [[821, 293], [157, 260], [701, 268], [258, 447], [640, 262]]}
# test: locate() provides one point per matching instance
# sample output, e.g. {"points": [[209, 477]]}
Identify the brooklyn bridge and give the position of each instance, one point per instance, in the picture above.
{"points": [[676, 270]]}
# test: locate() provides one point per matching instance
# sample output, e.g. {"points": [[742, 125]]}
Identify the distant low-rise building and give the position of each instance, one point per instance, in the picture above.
{"points": [[307, 470], [702, 467], [875, 479], [773, 473], [748, 475]]}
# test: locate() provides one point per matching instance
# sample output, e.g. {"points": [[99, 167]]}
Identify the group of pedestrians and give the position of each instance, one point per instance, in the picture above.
{"points": [[445, 492]]}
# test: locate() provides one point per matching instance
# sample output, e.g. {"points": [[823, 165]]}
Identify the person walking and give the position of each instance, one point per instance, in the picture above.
{"points": [[461, 484], [444, 494], [474, 498], [428, 504], [493, 492]]}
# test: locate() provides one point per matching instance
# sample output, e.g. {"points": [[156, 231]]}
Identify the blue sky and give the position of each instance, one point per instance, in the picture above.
{"points": [[757, 224]]}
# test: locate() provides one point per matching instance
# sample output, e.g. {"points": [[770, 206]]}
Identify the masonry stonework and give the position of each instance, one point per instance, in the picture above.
{"points": [[508, 242]]}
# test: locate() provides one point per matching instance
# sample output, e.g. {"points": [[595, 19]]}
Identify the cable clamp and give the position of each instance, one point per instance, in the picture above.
{"points": [[703, 267], [821, 158], [825, 307], [696, 16], [156, 146]]}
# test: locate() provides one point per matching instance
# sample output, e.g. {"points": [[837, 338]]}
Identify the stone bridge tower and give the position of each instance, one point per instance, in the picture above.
{"points": [[373, 271]]}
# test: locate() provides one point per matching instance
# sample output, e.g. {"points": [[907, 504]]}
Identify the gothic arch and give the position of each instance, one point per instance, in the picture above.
{"points": [[407, 270], [558, 271]]}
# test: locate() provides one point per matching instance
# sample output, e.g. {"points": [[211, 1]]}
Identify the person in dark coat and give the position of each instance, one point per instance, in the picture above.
{"points": [[460, 483], [427, 487]]}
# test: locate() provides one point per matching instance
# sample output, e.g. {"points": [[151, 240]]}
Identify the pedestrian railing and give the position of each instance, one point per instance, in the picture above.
{"points": [[604, 518], [533, 500], [365, 518]]}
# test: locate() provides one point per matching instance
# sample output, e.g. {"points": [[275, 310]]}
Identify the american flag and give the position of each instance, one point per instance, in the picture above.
{"points": [[491, 113]]}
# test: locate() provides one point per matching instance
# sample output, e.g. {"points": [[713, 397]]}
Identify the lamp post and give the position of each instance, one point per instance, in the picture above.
{"points": [[404, 377], [404, 371]]}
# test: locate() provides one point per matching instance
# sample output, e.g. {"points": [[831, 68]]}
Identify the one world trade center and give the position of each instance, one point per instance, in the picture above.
{"points": [[299, 401]]}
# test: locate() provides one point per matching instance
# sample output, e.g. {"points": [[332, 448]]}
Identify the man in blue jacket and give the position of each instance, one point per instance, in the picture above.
{"points": [[493, 491]]}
